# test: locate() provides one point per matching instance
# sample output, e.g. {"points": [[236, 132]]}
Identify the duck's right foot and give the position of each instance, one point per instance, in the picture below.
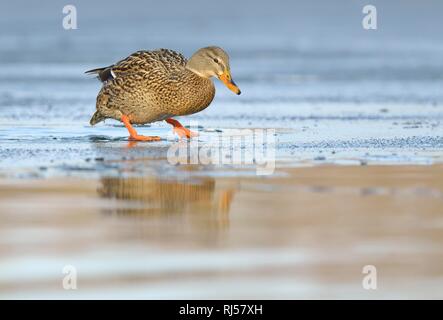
{"points": [[181, 131]]}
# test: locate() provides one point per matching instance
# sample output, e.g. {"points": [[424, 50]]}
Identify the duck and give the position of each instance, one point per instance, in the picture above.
{"points": [[158, 85]]}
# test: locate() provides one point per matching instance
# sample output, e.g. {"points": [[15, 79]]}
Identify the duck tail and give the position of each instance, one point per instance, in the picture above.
{"points": [[96, 118], [103, 74], [93, 71]]}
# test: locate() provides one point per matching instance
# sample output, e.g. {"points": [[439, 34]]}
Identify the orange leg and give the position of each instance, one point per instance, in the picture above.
{"points": [[133, 135], [180, 130]]}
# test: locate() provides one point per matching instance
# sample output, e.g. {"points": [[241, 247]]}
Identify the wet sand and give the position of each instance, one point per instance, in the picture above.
{"points": [[301, 233]]}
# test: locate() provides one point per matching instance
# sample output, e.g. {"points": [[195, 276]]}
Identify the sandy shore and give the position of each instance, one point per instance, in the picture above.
{"points": [[305, 233]]}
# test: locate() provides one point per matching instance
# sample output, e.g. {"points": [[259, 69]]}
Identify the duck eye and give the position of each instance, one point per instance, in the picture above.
{"points": [[215, 60]]}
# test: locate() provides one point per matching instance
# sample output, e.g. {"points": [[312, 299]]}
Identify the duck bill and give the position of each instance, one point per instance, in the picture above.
{"points": [[227, 80]]}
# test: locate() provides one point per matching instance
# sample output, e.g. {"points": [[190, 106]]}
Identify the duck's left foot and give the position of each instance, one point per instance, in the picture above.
{"points": [[143, 138], [180, 130], [133, 135]]}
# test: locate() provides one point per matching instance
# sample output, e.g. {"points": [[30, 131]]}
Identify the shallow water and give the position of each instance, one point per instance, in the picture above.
{"points": [[330, 93], [333, 92], [217, 237]]}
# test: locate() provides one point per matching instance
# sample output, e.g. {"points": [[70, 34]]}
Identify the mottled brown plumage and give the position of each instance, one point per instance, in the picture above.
{"points": [[151, 86]]}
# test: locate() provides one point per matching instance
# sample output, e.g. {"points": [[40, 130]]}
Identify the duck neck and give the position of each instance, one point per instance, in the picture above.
{"points": [[195, 66]]}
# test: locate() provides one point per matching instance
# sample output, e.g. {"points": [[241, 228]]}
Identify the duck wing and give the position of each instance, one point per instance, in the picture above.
{"points": [[161, 61]]}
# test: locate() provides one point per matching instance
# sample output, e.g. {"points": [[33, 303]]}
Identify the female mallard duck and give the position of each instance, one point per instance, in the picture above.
{"points": [[157, 85]]}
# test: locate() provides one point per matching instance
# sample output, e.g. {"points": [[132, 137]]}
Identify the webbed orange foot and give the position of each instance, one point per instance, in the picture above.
{"points": [[133, 135], [181, 131], [143, 138]]}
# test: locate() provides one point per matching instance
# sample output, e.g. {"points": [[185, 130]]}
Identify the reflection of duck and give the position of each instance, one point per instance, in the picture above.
{"points": [[201, 197], [151, 86]]}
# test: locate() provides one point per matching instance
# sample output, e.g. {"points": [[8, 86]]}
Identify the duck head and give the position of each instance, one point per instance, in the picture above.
{"points": [[213, 62]]}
